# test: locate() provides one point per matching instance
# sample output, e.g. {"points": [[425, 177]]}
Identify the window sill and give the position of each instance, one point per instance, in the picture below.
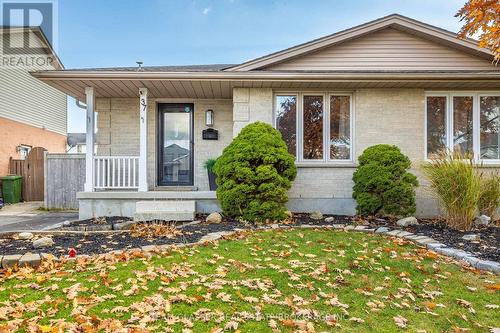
{"points": [[347, 164], [488, 164]]}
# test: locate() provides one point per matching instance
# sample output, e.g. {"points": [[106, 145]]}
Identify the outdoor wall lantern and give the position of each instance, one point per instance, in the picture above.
{"points": [[209, 117]]}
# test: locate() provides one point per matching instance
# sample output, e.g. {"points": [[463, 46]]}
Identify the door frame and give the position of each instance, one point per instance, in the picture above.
{"points": [[160, 139]]}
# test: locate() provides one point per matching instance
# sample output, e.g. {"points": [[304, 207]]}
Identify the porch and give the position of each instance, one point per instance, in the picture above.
{"points": [[150, 149]]}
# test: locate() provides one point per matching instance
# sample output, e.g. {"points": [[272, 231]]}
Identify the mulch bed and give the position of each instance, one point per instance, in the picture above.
{"points": [[99, 221], [486, 248]]}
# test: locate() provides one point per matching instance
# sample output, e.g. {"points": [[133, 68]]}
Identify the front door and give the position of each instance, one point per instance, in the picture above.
{"points": [[175, 144]]}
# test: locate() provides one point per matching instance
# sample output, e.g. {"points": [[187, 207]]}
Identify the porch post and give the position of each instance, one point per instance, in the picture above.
{"points": [[143, 135], [89, 155]]}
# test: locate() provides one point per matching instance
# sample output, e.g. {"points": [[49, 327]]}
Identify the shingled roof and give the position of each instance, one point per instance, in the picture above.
{"points": [[185, 68]]}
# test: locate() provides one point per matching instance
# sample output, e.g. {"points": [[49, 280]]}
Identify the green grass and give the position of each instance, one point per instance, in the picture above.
{"points": [[377, 278]]}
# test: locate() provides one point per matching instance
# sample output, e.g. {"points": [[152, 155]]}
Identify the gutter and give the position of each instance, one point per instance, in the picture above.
{"points": [[258, 76]]}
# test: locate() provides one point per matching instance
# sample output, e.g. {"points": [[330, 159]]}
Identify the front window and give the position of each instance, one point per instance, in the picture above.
{"points": [[340, 127], [315, 126], [451, 119], [286, 120], [462, 123], [489, 118]]}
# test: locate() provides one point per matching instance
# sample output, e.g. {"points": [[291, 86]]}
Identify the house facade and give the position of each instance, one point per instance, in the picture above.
{"points": [[393, 80], [32, 113]]}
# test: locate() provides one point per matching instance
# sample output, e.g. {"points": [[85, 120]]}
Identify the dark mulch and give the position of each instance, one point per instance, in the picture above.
{"points": [[102, 243], [102, 220], [486, 248]]}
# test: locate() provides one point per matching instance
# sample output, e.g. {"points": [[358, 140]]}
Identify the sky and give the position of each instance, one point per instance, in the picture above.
{"points": [[108, 33]]}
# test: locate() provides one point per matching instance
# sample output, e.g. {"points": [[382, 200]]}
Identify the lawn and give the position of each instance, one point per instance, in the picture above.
{"points": [[298, 280]]}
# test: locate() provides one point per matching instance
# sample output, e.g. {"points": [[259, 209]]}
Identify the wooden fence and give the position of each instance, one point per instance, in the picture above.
{"points": [[32, 171], [64, 177]]}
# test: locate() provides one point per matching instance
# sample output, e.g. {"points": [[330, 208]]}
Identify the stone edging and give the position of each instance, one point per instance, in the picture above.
{"points": [[34, 260]]}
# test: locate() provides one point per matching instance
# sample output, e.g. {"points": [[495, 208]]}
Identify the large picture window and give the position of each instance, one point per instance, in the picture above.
{"points": [[317, 127], [465, 122]]}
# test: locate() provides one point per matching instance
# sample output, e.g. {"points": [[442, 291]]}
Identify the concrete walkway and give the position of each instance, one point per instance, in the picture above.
{"points": [[28, 216]]}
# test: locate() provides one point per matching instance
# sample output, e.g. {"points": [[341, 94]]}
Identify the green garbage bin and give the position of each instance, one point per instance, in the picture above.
{"points": [[11, 188]]}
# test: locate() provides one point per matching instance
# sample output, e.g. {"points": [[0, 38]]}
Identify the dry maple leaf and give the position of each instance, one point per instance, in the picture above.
{"points": [[400, 321]]}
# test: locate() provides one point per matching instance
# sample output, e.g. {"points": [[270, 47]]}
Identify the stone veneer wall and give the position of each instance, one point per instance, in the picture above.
{"points": [[118, 131]]}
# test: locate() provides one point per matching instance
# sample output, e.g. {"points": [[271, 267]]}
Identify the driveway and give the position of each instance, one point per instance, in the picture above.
{"points": [[28, 216]]}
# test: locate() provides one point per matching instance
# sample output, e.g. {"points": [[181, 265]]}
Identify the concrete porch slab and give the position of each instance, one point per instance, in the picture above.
{"points": [[123, 203]]}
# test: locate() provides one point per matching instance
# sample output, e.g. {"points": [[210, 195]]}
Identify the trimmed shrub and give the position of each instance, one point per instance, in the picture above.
{"points": [[489, 199], [382, 183], [254, 173], [456, 183]]}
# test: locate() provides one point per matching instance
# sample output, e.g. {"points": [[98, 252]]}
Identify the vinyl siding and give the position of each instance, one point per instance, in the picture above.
{"points": [[25, 99], [388, 49]]}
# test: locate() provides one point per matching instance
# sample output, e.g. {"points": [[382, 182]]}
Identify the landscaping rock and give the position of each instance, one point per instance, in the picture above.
{"points": [[25, 235], [407, 221], [482, 220], [213, 236], [214, 218], [275, 226], [471, 237], [43, 242], [66, 223], [30, 259], [10, 260], [317, 215], [488, 265], [329, 219], [382, 230], [127, 225]]}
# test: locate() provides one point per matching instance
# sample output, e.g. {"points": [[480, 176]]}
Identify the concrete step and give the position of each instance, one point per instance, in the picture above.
{"points": [[165, 210]]}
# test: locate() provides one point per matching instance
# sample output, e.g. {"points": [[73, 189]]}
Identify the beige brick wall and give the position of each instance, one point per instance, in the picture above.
{"points": [[118, 132], [251, 105]]}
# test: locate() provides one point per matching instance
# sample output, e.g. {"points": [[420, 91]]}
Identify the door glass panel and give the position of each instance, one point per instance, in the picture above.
{"points": [[176, 163], [462, 124], [489, 115], [313, 127]]}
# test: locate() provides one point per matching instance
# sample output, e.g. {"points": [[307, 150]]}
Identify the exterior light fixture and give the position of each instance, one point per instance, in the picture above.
{"points": [[209, 118]]}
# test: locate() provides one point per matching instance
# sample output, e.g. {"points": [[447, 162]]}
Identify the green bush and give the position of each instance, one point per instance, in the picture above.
{"points": [[382, 183], [489, 198], [457, 184], [254, 173]]}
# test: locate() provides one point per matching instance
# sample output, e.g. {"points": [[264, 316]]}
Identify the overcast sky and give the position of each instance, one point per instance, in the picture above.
{"points": [[106, 33]]}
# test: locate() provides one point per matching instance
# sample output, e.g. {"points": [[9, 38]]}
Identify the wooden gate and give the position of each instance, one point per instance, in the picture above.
{"points": [[32, 170]]}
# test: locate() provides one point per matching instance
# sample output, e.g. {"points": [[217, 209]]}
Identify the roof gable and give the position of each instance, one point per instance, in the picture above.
{"points": [[395, 22], [36, 38], [386, 49]]}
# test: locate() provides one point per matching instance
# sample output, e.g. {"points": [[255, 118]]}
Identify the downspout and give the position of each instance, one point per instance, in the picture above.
{"points": [[82, 106]]}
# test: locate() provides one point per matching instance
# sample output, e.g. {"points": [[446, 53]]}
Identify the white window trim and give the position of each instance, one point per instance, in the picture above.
{"points": [[326, 161], [476, 121]]}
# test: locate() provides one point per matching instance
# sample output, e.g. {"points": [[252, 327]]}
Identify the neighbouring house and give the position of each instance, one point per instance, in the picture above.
{"points": [[32, 113], [394, 80], [76, 143]]}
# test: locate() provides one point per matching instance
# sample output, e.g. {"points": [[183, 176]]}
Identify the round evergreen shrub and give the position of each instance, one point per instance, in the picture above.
{"points": [[382, 183], [254, 173]]}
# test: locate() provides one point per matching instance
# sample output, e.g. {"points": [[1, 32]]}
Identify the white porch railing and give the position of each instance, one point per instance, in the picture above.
{"points": [[116, 172]]}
